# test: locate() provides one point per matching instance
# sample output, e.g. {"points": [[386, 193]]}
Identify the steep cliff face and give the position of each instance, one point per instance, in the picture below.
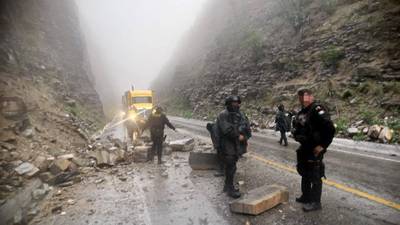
{"points": [[48, 106], [346, 51], [41, 40]]}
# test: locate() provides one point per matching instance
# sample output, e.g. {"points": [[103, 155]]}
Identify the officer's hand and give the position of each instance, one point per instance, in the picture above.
{"points": [[242, 138], [318, 150]]}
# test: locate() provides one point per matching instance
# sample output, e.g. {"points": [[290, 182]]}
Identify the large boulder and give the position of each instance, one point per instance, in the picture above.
{"points": [[12, 107], [183, 145], [364, 71], [108, 157], [374, 131], [59, 166], [27, 169], [385, 135], [140, 153]]}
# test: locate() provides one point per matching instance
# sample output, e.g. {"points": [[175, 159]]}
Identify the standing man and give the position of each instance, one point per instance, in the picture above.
{"points": [[156, 123], [314, 130], [282, 124], [234, 131]]}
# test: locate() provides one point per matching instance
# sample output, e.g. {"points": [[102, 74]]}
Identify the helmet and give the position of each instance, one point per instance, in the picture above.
{"points": [[232, 98], [158, 109]]}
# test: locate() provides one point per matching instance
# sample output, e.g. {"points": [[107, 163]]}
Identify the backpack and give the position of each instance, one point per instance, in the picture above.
{"points": [[288, 121], [214, 134]]}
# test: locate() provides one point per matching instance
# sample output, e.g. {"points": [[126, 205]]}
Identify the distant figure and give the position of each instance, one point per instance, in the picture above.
{"points": [[314, 130], [156, 123], [234, 132], [282, 124]]}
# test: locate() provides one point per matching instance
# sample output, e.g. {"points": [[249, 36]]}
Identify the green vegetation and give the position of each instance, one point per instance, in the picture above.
{"points": [[179, 106], [359, 137], [332, 56], [341, 125], [253, 41], [83, 113]]}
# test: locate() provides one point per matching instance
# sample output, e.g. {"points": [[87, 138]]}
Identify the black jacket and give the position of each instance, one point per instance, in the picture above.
{"points": [[156, 123], [230, 125], [313, 126], [281, 121]]}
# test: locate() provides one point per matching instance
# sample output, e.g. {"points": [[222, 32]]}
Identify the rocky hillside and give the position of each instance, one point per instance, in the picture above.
{"points": [[347, 51], [48, 106]]}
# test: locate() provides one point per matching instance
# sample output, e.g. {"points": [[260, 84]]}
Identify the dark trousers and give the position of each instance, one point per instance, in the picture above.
{"points": [[156, 148], [283, 137], [230, 169], [311, 189], [311, 170]]}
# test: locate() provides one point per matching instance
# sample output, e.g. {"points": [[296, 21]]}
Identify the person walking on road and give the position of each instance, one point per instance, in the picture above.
{"points": [[314, 130], [156, 123], [282, 126], [234, 132]]}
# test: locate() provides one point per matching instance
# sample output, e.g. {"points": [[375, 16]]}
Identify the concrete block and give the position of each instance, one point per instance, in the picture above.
{"points": [[260, 200], [203, 161], [140, 153]]}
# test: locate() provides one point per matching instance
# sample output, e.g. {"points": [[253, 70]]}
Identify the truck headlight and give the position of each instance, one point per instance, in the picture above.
{"points": [[132, 116]]}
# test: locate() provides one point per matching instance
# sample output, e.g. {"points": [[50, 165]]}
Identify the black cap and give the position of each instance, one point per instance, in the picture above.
{"points": [[232, 98]]}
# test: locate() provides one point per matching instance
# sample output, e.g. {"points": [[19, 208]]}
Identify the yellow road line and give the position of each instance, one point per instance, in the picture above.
{"points": [[332, 183]]}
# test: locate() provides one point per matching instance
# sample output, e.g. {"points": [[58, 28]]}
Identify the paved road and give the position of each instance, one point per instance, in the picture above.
{"points": [[173, 194], [372, 173]]}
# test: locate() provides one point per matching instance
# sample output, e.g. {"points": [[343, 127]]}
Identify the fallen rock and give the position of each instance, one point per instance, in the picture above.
{"points": [[46, 177], [184, 145], [38, 194], [260, 200], [42, 163], [59, 165], [108, 158], [352, 131], [66, 184], [29, 132], [8, 146], [203, 161], [66, 156], [12, 107], [27, 169], [374, 131], [385, 135], [140, 153], [8, 136]]}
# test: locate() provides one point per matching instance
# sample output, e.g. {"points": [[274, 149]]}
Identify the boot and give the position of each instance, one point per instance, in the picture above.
{"points": [[232, 192], [313, 206], [302, 199]]}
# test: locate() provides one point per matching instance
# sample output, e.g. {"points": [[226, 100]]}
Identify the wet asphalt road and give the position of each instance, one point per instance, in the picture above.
{"points": [[372, 173], [173, 194]]}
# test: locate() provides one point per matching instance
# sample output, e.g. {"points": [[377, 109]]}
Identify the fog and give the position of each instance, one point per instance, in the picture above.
{"points": [[129, 41]]}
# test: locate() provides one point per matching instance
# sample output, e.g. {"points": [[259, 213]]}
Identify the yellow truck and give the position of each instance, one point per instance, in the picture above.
{"points": [[138, 105]]}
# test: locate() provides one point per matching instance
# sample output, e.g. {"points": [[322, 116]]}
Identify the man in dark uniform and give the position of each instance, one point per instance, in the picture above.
{"points": [[314, 130], [282, 124], [156, 123], [234, 131]]}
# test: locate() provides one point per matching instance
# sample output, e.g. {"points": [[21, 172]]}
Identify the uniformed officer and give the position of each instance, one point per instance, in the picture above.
{"points": [[234, 132], [282, 124], [156, 122], [314, 130]]}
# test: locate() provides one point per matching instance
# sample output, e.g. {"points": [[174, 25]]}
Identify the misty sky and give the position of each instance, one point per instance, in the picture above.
{"points": [[129, 41]]}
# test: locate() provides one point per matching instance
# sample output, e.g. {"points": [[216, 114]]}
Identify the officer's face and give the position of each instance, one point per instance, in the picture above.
{"points": [[235, 104], [306, 99]]}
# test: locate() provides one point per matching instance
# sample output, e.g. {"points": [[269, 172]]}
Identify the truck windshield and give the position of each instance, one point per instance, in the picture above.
{"points": [[141, 100]]}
